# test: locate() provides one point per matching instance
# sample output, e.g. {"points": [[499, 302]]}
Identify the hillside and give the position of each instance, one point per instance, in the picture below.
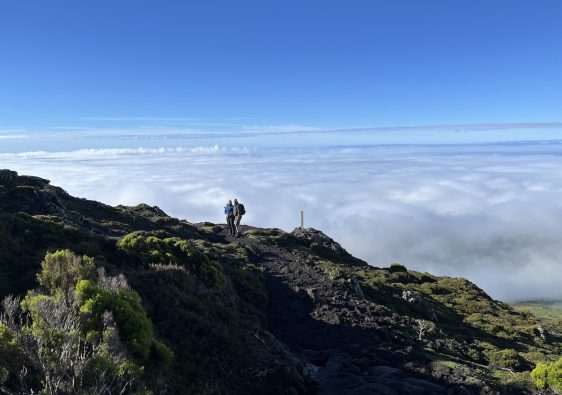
{"points": [[272, 312]]}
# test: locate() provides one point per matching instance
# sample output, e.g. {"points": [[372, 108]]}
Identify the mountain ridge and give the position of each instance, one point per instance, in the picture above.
{"points": [[291, 312]]}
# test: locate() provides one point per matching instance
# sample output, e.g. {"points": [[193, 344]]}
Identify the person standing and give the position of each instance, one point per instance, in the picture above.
{"points": [[239, 210], [229, 212]]}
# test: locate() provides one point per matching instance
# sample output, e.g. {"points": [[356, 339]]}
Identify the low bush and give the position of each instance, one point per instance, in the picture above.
{"points": [[396, 267], [508, 359], [151, 249], [548, 376], [83, 335], [62, 270], [135, 328]]}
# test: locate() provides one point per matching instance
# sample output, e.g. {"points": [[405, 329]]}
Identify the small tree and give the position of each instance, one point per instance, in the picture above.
{"points": [[52, 341], [423, 327]]}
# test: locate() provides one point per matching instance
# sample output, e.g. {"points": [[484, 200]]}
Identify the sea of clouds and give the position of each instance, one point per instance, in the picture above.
{"points": [[490, 212]]}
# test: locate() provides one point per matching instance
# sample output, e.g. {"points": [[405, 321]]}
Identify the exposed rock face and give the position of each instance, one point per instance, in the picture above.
{"points": [[323, 245], [318, 240], [356, 287], [543, 333], [7, 177], [11, 178], [412, 296], [32, 195]]}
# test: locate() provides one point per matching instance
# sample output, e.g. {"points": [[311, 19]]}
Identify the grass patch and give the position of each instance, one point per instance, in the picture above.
{"points": [[543, 310]]}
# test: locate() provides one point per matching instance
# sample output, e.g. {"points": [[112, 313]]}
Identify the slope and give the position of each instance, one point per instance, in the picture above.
{"points": [[277, 312]]}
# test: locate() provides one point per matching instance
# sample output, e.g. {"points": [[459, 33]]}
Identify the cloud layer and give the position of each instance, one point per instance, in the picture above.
{"points": [[486, 212]]}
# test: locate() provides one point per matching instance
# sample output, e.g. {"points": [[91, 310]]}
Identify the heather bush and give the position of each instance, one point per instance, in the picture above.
{"points": [[152, 250], [396, 267], [508, 359], [79, 337], [548, 376], [61, 270], [135, 328]]}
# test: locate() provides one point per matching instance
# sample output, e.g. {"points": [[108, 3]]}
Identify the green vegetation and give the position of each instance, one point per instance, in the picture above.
{"points": [[550, 311], [396, 268], [208, 328], [11, 356], [198, 296], [135, 328], [61, 270], [548, 375], [469, 326], [508, 359], [174, 251], [113, 348]]}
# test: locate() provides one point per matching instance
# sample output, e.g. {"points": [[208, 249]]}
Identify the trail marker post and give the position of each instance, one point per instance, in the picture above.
{"points": [[302, 219]]}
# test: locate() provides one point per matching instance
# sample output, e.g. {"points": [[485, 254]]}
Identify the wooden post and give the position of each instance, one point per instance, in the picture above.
{"points": [[302, 219]]}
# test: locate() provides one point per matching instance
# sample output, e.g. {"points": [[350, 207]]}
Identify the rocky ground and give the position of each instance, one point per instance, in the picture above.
{"points": [[339, 333]]}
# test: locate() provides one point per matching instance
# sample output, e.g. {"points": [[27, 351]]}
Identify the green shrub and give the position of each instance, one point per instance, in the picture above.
{"points": [[534, 356], [435, 289], [56, 343], [153, 249], [540, 375], [102, 365], [174, 251], [427, 278], [509, 359], [10, 355], [321, 250], [160, 354], [249, 283], [212, 275], [548, 375], [135, 328], [62, 270], [396, 267]]}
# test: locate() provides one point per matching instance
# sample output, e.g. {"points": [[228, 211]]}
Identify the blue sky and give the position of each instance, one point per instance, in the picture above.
{"points": [[227, 66]]}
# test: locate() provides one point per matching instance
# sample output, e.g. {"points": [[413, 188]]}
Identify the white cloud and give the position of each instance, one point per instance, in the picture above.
{"points": [[490, 212], [289, 128], [13, 136], [113, 153]]}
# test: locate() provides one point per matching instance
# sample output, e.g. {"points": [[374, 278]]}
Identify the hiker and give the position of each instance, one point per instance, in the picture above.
{"points": [[229, 212], [238, 211]]}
